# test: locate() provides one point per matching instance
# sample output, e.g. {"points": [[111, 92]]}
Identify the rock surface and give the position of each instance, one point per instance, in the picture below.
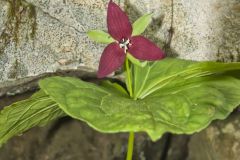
{"points": [[73, 140], [219, 141], [42, 36], [50, 36], [65, 140], [198, 30]]}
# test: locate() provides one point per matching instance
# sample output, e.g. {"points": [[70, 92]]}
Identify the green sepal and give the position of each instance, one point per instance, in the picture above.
{"points": [[141, 24], [100, 36]]}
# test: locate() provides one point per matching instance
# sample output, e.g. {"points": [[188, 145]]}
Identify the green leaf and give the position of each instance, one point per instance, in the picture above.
{"points": [[171, 70], [141, 24], [190, 106], [19, 117], [184, 107], [100, 36]]}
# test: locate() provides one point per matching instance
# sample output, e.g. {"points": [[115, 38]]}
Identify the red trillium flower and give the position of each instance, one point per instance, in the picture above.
{"points": [[120, 28]]}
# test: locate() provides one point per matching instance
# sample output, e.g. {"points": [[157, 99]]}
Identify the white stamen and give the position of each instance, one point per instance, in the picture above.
{"points": [[124, 44]]}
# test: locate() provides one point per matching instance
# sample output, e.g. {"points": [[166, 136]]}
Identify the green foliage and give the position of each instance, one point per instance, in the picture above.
{"points": [[100, 36], [21, 116], [171, 95], [171, 72], [141, 24], [190, 106], [184, 108]]}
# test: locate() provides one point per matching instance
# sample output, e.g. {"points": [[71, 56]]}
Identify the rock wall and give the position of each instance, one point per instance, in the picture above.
{"points": [[39, 37], [48, 36]]}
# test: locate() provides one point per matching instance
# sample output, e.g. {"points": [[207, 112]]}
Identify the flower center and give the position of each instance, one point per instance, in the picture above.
{"points": [[125, 44]]}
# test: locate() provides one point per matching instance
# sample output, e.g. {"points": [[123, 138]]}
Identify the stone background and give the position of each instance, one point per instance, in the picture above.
{"points": [[39, 38]]}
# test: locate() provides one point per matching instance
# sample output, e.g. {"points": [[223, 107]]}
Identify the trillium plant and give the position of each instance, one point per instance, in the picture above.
{"points": [[160, 94], [124, 41]]}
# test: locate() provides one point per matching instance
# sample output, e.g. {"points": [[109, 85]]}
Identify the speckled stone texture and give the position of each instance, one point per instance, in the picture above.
{"points": [[198, 30], [54, 39], [59, 42], [220, 141]]}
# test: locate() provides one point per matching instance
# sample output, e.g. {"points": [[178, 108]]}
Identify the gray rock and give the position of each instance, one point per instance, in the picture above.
{"points": [[72, 140], [42, 36], [219, 141], [47, 36], [178, 147], [198, 30]]}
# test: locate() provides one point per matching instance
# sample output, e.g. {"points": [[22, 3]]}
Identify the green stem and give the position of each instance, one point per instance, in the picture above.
{"points": [[129, 86], [130, 146], [129, 78]]}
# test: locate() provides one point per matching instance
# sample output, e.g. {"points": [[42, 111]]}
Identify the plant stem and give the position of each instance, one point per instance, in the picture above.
{"points": [[130, 90], [129, 78], [130, 146]]}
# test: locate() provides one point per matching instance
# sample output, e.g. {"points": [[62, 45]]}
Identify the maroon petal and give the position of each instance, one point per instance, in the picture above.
{"points": [[112, 58], [144, 49], [118, 24]]}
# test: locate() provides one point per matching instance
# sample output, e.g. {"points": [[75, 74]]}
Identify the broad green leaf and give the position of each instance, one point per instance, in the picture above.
{"points": [[21, 116], [141, 24], [185, 108], [100, 36], [171, 70], [190, 106]]}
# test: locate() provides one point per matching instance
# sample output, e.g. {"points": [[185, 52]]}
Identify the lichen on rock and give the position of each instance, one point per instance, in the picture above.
{"points": [[229, 45], [19, 12]]}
